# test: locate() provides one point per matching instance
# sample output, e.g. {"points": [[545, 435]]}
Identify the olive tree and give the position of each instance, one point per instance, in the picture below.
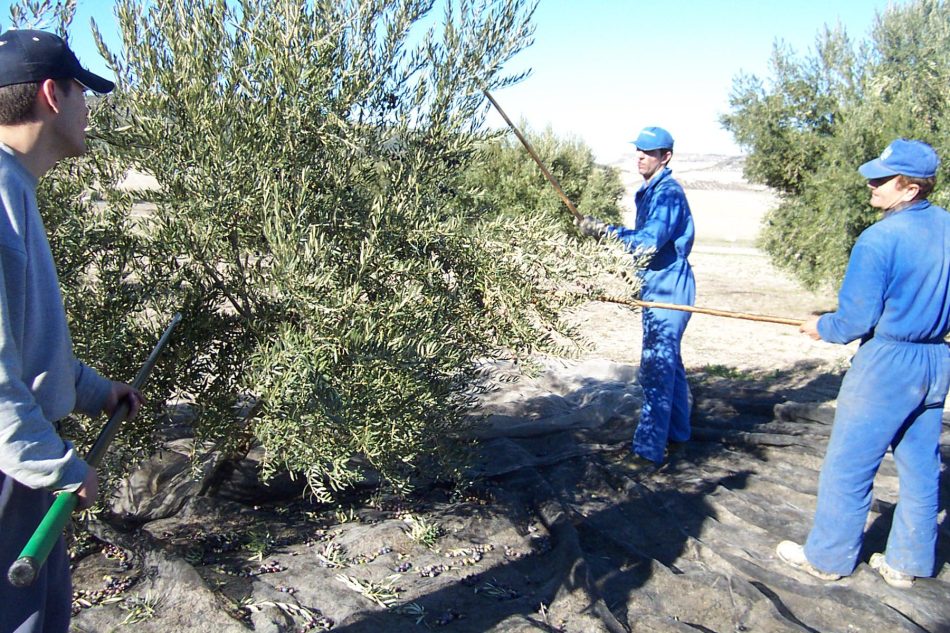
{"points": [[507, 176], [818, 116], [341, 281]]}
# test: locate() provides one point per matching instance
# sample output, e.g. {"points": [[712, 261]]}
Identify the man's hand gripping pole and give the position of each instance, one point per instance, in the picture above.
{"points": [[24, 570]]}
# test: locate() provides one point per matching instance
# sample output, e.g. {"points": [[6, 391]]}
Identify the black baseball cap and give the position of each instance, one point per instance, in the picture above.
{"points": [[27, 56]]}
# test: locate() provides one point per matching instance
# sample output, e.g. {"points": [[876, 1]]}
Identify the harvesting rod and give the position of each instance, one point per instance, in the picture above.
{"points": [[537, 159], [636, 303], [24, 570]]}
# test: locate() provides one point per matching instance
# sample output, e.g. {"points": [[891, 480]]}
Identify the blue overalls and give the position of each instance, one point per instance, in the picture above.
{"points": [[896, 298], [665, 226]]}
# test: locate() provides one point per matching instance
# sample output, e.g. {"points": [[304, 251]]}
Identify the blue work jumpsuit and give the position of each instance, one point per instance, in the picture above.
{"points": [[664, 226], [896, 298]]}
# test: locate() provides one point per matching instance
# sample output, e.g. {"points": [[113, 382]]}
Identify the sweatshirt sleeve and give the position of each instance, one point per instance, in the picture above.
{"points": [[31, 451], [664, 215], [861, 298], [91, 390]]}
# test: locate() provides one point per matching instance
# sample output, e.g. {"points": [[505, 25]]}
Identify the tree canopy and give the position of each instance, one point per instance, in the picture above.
{"points": [[809, 125], [319, 219]]}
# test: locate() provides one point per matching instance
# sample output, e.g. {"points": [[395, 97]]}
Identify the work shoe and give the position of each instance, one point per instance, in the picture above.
{"points": [[794, 554], [890, 575], [638, 464], [672, 448]]}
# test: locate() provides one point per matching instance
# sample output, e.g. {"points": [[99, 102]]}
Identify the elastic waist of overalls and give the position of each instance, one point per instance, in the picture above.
{"points": [[894, 341]]}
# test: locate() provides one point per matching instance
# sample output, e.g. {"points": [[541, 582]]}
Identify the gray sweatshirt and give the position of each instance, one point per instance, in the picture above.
{"points": [[40, 379]]}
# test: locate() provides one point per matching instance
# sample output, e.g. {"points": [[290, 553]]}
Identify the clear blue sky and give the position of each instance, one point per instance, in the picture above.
{"points": [[602, 69]]}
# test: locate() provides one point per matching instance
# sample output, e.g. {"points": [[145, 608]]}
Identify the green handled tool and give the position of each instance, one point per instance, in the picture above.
{"points": [[23, 571]]}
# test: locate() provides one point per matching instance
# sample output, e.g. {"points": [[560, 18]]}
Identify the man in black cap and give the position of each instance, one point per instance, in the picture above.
{"points": [[43, 116]]}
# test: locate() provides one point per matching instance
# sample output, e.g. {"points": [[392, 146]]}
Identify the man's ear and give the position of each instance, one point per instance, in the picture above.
{"points": [[48, 96], [911, 191]]}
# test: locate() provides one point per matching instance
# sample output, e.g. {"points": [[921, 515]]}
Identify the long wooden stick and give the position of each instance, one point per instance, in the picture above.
{"points": [[534, 155], [636, 303]]}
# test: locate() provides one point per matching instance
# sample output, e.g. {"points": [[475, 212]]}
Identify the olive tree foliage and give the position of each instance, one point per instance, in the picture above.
{"points": [[341, 281], [809, 126], [505, 175]]}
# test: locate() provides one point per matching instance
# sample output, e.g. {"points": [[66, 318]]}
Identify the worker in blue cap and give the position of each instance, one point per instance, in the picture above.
{"points": [[895, 297], [664, 230]]}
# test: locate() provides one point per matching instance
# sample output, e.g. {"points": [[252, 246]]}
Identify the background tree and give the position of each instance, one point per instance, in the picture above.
{"points": [[819, 116], [509, 179]]}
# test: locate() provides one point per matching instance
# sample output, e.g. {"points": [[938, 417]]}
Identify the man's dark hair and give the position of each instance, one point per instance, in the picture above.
{"points": [[18, 102], [925, 185]]}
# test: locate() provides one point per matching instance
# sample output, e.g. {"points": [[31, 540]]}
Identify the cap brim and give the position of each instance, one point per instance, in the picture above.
{"points": [[94, 82], [875, 169], [647, 147]]}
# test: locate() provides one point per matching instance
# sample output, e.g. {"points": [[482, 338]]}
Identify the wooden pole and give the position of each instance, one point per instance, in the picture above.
{"points": [[636, 303], [534, 155]]}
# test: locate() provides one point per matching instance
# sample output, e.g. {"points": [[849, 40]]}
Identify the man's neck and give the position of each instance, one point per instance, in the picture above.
{"points": [[654, 175], [28, 143], [900, 206]]}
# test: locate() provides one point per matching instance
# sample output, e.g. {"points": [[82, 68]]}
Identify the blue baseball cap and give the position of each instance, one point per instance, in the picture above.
{"points": [[28, 56], [908, 158], [651, 138]]}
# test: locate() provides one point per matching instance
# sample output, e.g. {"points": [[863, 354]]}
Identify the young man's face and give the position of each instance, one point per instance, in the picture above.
{"points": [[886, 194], [651, 161], [70, 123]]}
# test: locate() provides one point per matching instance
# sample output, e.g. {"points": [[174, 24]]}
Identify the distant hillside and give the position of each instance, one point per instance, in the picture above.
{"points": [[716, 172]]}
